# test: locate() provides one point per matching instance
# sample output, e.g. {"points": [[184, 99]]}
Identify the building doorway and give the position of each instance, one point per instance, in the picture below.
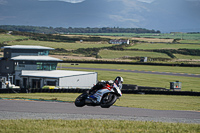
{"points": [[25, 82], [36, 83], [17, 83]]}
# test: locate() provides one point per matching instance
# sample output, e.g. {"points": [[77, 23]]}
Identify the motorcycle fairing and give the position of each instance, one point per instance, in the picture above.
{"points": [[118, 89], [99, 94]]}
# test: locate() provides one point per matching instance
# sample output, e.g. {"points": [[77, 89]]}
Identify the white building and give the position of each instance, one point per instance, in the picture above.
{"points": [[31, 67], [59, 78], [119, 41]]}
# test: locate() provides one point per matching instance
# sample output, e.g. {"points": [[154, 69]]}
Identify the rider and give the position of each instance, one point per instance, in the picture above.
{"points": [[118, 81]]}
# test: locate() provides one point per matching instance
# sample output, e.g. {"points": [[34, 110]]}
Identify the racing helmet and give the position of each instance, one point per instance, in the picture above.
{"points": [[118, 79]]}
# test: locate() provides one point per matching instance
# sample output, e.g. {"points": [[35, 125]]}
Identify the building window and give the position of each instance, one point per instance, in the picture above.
{"points": [[53, 83], [7, 68], [21, 65], [43, 53], [46, 66], [39, 66]]}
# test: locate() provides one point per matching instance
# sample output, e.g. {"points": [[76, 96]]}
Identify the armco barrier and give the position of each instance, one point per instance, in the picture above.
{"points": [[124, 91], [185, 93], [57, 90], [135, 87], [10, 90]]}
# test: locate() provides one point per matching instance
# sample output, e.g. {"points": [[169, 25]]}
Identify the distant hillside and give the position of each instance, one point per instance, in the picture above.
{"points": [[60, 30], [2, 31]]}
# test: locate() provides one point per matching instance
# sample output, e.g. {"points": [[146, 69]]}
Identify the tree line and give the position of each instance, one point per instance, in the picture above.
{"points": [[61, 30], [58, 38]]}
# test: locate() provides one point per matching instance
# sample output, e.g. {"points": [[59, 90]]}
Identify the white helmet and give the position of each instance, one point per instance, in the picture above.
{"points": [[119, 79]]}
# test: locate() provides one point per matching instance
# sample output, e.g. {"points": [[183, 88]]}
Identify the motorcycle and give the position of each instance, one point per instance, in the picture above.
{"points": [[103, 94]]}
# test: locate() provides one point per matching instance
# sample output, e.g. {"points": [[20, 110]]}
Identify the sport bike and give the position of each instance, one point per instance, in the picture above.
{"points": [[103, 94]]}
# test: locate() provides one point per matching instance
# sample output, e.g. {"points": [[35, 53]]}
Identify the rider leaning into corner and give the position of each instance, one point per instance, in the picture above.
{"points": [[116, 83]]}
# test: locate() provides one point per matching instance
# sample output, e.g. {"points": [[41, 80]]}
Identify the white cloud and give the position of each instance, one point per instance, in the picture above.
{"points": [[133, 5], [147, 1], [70, 1], [121, 18], [3, 2]]}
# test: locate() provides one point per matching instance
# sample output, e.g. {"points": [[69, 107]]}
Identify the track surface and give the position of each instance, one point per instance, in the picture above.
{"points": [[136, 71], [18, 109]]}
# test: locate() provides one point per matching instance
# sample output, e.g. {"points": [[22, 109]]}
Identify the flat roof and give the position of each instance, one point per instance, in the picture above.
{"points": [[53, 73], [27, 47], [35, 58]]}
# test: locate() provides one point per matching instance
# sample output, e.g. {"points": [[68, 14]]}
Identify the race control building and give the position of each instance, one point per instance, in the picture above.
{"points": [[31, 67]]}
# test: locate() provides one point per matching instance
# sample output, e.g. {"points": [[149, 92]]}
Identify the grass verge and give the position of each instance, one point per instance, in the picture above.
{"points": [[94, 126], [157, 102]]}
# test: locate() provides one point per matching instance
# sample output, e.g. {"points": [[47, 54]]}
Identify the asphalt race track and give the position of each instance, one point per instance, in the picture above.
{"points": [[21, 109]]}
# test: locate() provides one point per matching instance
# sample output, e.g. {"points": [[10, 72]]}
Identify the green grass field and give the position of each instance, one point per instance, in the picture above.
{"points": [[153, 80], [112, 54], [5, 37], [173, 69], [189, 57], [148, 46], [184, 36], [94, 126], [115, 54], [69, 46], [191, 41]]}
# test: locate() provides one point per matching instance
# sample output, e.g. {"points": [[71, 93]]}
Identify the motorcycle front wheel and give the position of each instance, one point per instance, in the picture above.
{"points": [[108, 100], [80, 100]]}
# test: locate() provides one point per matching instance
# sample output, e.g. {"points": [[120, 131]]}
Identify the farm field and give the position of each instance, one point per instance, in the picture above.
{"points": [[64, 45], [188, 57], [150, 46], [188, 83], [113, 54], [190, 41], [184, 36], [6, 37]]}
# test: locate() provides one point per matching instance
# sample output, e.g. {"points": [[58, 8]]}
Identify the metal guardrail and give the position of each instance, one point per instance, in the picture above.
{"points": [[124, 91]]}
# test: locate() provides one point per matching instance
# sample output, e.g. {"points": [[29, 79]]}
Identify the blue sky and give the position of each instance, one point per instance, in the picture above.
{"points": [[163, 15]]}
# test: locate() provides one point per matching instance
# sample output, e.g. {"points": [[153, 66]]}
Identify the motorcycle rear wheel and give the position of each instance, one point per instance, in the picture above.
{"points": [[108, 100], [80, 100]]}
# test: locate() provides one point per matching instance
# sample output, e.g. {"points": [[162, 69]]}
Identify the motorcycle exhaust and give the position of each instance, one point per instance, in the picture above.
{"points": [[88, 101]]}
